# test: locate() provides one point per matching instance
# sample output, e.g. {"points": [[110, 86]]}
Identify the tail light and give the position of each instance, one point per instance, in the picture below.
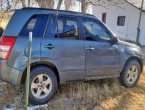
{"points": [[6, 45]]}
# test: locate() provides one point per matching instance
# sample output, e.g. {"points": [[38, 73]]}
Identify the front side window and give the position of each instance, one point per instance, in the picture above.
{"points": [[95, 31], [35, 24]]}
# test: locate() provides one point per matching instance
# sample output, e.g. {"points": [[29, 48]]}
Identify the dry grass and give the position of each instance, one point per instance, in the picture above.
{"points": [[91, 95], [4, 18], [3, 23]]}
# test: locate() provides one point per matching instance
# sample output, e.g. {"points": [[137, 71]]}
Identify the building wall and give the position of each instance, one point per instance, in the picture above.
{"points": [[129, 30], [142, 30]]}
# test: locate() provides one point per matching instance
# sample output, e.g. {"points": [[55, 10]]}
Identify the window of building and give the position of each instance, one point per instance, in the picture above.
{"points": [[121, 21], [104, 17]]}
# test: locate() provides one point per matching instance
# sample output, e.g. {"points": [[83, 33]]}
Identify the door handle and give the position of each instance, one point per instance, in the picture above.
{"points": [[90, 48], [49, 46]]}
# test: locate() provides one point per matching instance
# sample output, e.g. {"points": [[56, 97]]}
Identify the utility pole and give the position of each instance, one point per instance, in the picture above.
{"points": [[139, 22]]}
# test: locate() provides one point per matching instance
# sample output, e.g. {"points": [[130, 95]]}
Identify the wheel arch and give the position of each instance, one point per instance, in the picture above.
{"points": [[137, 59], [35, 64]]}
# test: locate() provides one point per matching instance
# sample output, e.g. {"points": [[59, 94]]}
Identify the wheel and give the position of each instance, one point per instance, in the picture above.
{"points": [[130, 74], [43, 85]]}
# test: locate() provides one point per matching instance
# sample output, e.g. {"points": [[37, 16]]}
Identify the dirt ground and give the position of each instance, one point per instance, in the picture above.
{"points": [[91, 95]]}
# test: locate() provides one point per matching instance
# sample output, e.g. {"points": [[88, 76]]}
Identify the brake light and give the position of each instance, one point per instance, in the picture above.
{"points": [[6, 45]]}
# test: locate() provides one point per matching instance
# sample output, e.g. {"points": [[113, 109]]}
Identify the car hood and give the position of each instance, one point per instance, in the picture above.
{"points": [[127, 44]]}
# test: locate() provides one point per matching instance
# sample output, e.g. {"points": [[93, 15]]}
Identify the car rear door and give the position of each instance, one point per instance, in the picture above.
{"points": [[19, 55], [63, 47]]}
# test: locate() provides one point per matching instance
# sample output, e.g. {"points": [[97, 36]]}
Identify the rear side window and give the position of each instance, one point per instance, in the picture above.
{"points": [[65, 27], [35, 24], [68, 28]]}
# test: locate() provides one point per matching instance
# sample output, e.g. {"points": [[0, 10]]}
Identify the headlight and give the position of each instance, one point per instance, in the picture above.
{"points": [[137, 52]]}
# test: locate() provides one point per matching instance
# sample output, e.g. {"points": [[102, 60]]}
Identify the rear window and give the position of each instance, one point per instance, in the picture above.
{"points": [[35, 24]]}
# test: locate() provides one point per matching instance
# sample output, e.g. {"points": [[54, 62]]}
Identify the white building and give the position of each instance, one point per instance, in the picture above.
{"points": [[123, 19]]}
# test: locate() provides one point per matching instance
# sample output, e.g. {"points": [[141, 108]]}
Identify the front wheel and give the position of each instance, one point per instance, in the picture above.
{"points": [[130, 74], [43, 85]]}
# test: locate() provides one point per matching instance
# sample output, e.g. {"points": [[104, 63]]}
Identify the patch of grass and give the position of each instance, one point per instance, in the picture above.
{"points": [[85, 95]]}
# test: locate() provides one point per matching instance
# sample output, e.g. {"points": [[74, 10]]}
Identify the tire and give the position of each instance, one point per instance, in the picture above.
{"points": [[44, 82], [130, 74]]}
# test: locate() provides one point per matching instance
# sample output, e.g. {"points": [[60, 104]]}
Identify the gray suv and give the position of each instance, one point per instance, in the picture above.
{"points": [[67, 46]]}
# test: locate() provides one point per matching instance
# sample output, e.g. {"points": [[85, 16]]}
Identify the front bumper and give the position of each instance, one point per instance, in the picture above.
{"points": [[9, 74], [142, 64]]}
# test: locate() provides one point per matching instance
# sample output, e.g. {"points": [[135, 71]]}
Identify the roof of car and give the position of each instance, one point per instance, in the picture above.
{"points": [[59, 11]]}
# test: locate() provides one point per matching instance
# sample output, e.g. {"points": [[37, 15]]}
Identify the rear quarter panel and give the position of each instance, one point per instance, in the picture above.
{"points": [[19, 54]]}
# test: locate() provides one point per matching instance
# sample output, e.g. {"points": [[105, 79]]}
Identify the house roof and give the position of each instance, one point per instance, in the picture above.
{"points": [[136, 3]]}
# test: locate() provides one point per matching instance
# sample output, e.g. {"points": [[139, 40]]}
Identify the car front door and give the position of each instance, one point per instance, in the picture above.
{"points": [[102, 57], [62, 46]]}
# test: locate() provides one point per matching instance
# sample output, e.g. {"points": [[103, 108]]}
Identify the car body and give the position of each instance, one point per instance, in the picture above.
{"points": [[69, 54], [1, 31]]}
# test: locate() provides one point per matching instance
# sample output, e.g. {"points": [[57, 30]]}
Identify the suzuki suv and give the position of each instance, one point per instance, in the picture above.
{"points": [[67, 46]]}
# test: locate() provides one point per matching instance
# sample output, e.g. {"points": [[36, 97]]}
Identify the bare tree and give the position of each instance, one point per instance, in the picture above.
{"points": [[84, 5], [29, 3], [45, 3], [68, 4], [104, 3], [8, 5], [23, 2]]}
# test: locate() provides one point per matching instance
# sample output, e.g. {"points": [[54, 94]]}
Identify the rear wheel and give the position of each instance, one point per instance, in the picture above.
{"points": [[43, 85], [130, 74]]}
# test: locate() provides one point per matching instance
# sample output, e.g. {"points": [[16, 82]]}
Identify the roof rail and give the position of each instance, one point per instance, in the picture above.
{"points": [[34, 8]]}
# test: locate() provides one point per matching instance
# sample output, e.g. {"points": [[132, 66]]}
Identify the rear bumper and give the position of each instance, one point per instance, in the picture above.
{"points": [[9, 74]]}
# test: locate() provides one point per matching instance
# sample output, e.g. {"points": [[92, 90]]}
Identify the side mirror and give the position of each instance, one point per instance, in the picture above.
{"points": [[1, 31], [114, 40]]}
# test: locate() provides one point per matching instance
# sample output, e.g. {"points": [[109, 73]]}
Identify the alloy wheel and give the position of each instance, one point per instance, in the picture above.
{"points": [[41, 86], [132, 74]]}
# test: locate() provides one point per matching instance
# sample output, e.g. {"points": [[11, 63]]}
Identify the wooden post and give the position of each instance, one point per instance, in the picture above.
{"points": [[28, 72]]}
